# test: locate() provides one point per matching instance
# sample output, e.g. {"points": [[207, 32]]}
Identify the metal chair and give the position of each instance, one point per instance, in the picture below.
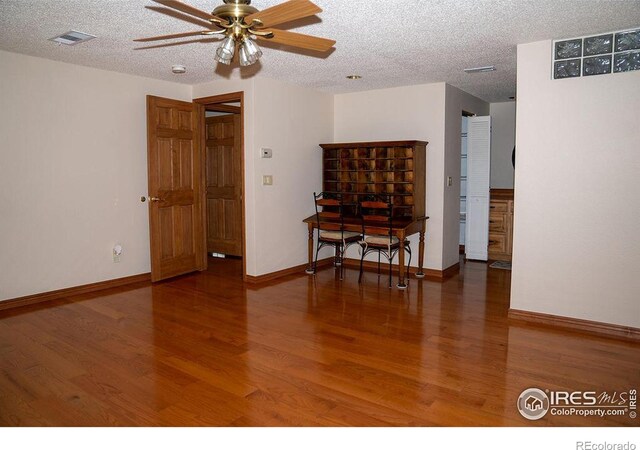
{"points": [[376, 215], [330, 226]]}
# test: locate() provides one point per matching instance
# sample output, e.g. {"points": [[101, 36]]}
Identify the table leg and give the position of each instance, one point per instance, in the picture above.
{"points": [[401, 272], [420, 273], [310, 267]]}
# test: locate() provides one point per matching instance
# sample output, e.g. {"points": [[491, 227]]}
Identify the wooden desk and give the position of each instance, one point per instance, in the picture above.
{"points": [[402, 228]]}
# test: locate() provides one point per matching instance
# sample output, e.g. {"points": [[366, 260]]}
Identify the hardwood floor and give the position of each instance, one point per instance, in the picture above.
{"points": [[205, 349]]}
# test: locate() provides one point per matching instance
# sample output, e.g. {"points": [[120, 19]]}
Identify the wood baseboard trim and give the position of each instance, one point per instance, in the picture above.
{"points": [[570, 323], [431, 274], [76, 290], [256, 279], [450, 271]]}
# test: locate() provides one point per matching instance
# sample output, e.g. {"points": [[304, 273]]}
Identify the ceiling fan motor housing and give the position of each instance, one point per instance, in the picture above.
{"points": [[234, 9]]}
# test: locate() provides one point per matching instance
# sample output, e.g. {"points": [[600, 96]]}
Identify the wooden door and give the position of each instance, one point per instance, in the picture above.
{"points": [[174, 159], [223, 136]]}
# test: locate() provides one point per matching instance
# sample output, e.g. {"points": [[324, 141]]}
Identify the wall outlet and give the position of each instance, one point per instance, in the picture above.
{"points": [[450, 181], [117, 253], [266, 153], [267, 180]]}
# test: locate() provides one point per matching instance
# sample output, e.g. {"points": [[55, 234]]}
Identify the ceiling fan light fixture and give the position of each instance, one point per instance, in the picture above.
{"points": [[253, 51], [224, 53], [243, 56], [221, 60]]}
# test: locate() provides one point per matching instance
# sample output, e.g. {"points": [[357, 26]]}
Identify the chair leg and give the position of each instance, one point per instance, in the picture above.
{"points": [[340, 250], [315, 262], [390, 271], [378, 263], [361, 262], [408, 249]]}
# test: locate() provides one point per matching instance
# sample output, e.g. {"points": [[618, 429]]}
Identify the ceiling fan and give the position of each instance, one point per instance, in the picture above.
{"points": [[241, 24]]}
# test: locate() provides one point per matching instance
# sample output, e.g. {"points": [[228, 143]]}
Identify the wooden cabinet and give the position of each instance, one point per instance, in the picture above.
{"points": [[501, 224], [362, 169]]}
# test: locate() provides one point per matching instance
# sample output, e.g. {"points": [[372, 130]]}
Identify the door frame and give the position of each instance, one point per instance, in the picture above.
{"points": [[211, 101]]}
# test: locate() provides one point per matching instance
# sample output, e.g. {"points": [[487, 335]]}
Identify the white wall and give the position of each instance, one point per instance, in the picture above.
{"points": [[73, 158], [404, 113], [503, 138], [577, 218], [292, 121], [456, 102]]}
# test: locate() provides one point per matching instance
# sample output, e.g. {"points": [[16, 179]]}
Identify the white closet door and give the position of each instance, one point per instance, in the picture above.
{"points": [[478, 178]]}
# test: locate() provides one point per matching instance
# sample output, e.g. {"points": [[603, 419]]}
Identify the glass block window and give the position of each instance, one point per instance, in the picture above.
{"points": [[627, 61], [566, 69], [569, 49], [596, 65], [597, 45], [597, 55], [628, 40]]}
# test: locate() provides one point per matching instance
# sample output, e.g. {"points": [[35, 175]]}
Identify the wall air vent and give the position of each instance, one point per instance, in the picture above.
{"points": [[72, 38]]}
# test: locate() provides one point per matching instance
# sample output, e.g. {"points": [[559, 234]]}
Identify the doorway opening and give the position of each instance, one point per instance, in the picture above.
{"points": [[223, 144]]}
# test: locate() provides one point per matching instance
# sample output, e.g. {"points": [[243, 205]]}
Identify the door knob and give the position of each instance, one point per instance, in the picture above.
{"points": [[151, 199]]}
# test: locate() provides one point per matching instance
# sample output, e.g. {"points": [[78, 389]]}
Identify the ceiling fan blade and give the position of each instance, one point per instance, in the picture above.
{"points": [[173, 44], [284, 12], [180, 16], [170, 36], [175, 4], [305, 41]]}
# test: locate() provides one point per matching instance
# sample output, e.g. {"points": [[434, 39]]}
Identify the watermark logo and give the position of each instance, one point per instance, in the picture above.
{"points": [[588, 445], [533, 404]]}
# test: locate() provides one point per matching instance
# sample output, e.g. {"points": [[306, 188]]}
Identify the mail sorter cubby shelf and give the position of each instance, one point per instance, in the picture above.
{"points": [[360, 170]]}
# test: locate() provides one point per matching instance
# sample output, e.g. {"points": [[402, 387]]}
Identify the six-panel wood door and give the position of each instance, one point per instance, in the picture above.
{"points": [[175, 187], [224, 184]]}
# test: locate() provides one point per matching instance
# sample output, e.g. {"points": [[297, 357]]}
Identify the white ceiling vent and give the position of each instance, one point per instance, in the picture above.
{"points": [[481, 69], [72, 38]]}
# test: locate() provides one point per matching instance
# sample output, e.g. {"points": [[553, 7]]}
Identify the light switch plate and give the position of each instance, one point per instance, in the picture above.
{"points": [[267, 180], [266, 153], [450, 181]]}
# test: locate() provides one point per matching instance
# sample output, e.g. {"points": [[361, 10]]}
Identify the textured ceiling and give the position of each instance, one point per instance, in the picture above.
{"points": [[390, 43]]}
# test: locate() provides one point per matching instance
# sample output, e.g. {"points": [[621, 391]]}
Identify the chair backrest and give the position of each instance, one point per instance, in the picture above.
{"points": [[376, 214], [329, 211]]}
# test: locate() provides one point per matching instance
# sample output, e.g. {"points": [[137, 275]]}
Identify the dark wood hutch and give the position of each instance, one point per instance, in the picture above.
{"points": [[358, 170]]}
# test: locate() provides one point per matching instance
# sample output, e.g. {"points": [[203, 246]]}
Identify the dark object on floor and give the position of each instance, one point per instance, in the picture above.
{"points": [[505, 265]]}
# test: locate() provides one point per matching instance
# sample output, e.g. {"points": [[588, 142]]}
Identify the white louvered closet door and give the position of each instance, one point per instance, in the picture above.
{"points": [[478, 178]]}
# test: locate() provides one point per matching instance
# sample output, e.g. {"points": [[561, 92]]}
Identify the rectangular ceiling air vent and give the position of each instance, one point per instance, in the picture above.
{"points": [[72, 38], [481, 69]]}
